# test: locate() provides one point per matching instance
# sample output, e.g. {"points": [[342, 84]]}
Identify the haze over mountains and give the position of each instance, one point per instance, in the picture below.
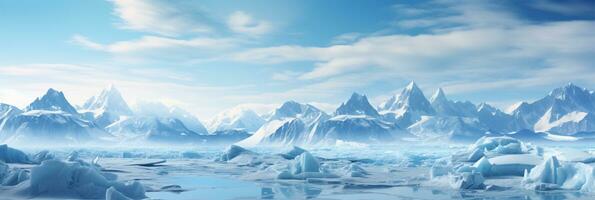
{"points": [[567, 111]]}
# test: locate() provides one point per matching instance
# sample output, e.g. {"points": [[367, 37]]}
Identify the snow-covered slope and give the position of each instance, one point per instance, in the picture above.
{"points": [[407, 107], [356, 128], [50, 118], [451, 127], [107, 107], [357, 105], [53, 100], [154, 129], [7, 111], [236, 118], [290, 124], [565, 110], [291, 109], [49, 126], [157, 109], [446, 107]]}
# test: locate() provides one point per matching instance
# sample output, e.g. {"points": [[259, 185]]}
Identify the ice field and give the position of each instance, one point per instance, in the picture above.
{"points": [[491, 168]]}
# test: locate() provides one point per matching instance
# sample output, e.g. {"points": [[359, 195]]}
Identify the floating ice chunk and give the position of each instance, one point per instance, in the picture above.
{"points": [[491, 146], [304, 166], [483, 166], [11, 155], [511, 148], [72, 180], [113, 194], [467, 180], [190, 155], [490, 143], [233, 151], [73, 156], [10, 177], [42, 155], [15, 176], [294, 152], [552, 174], [354, 170], [513, 165], [476, 155]]}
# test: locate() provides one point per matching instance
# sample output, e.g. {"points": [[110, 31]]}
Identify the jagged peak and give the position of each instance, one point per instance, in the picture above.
{"points": [[357, 104], [411, 86], [438, 95]]}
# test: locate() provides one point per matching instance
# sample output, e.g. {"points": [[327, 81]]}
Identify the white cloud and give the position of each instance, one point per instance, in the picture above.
{"points": [[242, 22], [148, 47], [160, 16], [285, 75]]}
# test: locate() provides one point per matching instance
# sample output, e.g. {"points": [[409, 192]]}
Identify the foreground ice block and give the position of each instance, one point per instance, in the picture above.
{"points": [[55, 178], [467, 180], [553, 174], [302, 167], [11, 155], [233, 151]]}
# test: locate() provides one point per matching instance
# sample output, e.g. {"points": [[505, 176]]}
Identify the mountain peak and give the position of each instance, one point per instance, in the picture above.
{"points": [[410, 99], [110, 100], [438, 96], [412, 86], [53, 100], [357, 104]]}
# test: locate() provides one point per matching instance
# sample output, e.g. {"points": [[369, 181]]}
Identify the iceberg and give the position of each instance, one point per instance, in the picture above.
{"points": [[354, 170], [55, 178], [553, 174], [10, 177], [232, 152], [294, 152], [304, 166], [467, 180], [11, 155]]}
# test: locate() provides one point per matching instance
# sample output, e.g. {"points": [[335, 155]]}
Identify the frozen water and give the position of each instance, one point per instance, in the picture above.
{"points": [[404, 171]]}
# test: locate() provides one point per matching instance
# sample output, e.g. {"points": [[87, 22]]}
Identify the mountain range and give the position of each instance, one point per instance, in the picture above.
{"points": [[568, 111]]}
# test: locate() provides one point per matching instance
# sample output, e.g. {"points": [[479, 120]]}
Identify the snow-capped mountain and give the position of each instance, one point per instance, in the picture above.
{"points": [[354, 121], [289, 124], [356, 128], [565, 110], [444, 106], [7, 111], [154, 129], [291, 109], [451, 127], [107, 107], [236, 118], [49, 118], [357, 105], [53, 100], [157, 109], [407, 107], [46, 126], [494, 120]]}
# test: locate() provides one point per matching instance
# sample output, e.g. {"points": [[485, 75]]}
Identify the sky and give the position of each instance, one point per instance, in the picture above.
{"points": [[208, 56]]}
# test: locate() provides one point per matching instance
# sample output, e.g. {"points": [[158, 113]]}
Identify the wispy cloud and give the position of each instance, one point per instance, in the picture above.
{"points": [[162, 17], [242, 22]]}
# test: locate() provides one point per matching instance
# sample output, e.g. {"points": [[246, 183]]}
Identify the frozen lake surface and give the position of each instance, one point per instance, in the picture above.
{"points": [[345, 171]]}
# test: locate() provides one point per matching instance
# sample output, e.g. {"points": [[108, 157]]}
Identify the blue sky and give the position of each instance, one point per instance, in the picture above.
{"points": [[206, 56]]}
